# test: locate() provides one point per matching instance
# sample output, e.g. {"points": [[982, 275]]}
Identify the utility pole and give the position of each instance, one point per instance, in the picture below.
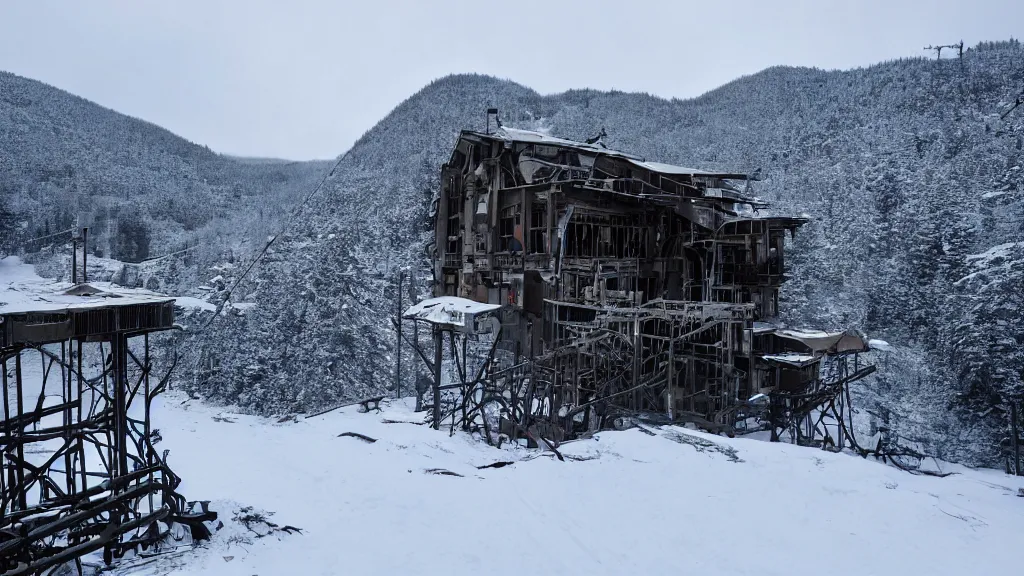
{"points": [[438, 355], [959, 47], [74, 260], [85, 254], [398, 347], [415, 343], [1015, 438]]}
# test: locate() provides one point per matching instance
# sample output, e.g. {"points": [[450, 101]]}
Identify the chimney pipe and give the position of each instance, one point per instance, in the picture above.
{"points": [[85, 254], [74, 260], [497, 123]]}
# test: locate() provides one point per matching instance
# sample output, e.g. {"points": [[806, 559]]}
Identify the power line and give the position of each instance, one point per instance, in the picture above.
{"points": [[168, 255], [1018, 102], [30, 240], [295, 212]]}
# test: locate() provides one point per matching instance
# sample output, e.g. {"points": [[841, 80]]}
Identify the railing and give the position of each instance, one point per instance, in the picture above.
{"points": [[731, 273], [508, 260]]}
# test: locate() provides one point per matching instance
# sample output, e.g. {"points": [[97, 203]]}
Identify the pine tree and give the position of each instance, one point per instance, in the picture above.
{"points": [[8, 227]]}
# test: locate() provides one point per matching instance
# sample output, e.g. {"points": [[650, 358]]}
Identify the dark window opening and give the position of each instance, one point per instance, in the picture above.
{"points": [[510, 230], [538, 228]]}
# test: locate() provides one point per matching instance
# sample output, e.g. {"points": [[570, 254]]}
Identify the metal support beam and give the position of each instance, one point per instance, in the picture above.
{"points": [[74, 260], [119, 358], [85, 254], [670, 399], [398, 345], [1015, 438], [438, 352], [20, 400], [133, 488]]}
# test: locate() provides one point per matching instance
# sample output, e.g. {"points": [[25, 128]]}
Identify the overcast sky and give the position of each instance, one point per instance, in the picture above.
{"points": [[304, 79]]}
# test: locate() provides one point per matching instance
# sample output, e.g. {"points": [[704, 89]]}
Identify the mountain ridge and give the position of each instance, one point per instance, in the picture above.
{"points": [[871, 153], [143, 191], [904, 166]]}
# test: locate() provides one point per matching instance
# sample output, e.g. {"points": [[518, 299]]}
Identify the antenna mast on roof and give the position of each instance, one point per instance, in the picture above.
{"points": [[497, 121], [597, 139]]}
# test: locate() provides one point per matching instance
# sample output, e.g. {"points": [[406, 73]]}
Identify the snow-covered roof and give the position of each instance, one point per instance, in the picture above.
{"points": [[792, 359], [882, 345], [774, 221], [22, 290], [447, 310], [828, 342], [80, 297], [36, 310], [533, 137], [662, 168], [668, 168]]}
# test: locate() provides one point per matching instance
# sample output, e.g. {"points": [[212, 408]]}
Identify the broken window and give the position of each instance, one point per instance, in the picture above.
{"points": [[538, 227], [510, 230]]}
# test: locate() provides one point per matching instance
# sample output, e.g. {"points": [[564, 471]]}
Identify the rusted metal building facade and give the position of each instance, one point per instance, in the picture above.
{"points": [[630, 285]]}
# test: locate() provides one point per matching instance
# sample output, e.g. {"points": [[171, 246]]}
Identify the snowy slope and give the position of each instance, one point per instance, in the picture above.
{"points": [[904, 168], [622, 503], [142, 190], [652, 501]]}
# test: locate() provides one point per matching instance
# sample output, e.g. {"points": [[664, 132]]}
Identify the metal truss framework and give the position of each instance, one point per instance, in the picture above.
{"points": [[619, 366], [80, 470]]}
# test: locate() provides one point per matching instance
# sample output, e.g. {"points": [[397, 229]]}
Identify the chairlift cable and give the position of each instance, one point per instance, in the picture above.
{"points": [[270, 241]]}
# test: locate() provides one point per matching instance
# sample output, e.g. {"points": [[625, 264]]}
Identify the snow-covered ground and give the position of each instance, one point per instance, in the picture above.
{"points": [[622, 503], [651, 501]]}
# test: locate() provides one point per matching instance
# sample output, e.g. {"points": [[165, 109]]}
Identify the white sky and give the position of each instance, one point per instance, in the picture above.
{"points": [[304, 79]]}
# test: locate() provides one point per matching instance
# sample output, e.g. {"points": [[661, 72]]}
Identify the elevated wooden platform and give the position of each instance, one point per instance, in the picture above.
{"points": [[82, 313], [79, 472]]}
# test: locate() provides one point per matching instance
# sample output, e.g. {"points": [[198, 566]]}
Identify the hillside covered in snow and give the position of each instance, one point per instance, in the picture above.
{"points": [[143, 191], [913, 182], [380, 492], [907, 171]]}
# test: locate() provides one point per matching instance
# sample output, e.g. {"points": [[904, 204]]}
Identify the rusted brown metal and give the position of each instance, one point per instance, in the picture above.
{"points": [[638, 287], [94, 480]]}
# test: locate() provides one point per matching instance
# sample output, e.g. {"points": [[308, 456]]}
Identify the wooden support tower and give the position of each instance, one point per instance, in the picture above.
{"points": [[93, 481]]}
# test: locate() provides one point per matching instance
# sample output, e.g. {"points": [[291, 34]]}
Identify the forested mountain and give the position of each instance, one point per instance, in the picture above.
{"points": [[913, 183], [143, 191]]}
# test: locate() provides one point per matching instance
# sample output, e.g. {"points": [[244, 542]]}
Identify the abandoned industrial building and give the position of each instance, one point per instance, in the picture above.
{"points": [[621, 286], [577, 287]]}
